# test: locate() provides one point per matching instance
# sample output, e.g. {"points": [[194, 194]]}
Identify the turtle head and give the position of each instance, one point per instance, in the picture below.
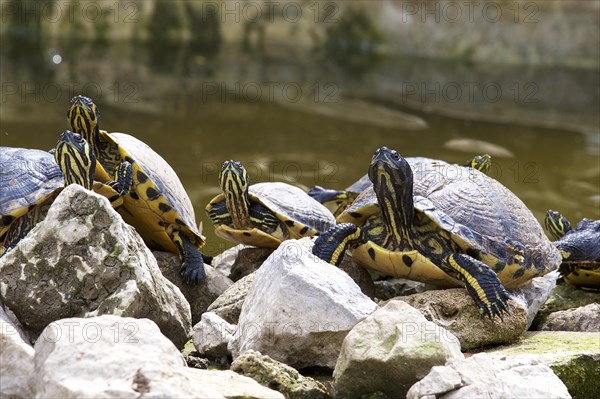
{"points": [[83, 116], [392, 180], [76, 159], [234, 182], [556, 224]]}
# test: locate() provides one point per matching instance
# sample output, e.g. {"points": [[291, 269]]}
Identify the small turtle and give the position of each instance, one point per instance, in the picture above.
{"points": [[579, 247], [156, 203], [263, 214], [344, 198], [31, 179], [441, 230]]}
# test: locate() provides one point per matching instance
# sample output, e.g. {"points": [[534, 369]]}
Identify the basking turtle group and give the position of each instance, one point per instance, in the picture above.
{"points": [[405, 217]]}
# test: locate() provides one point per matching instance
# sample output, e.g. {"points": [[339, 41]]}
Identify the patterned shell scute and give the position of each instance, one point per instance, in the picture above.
{"points": [[482, 212], [290, 201], [162, 174], [26, 177]]}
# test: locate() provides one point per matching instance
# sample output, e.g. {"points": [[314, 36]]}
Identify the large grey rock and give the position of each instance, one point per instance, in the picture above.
{"points": [[211, 336], [585, 318], [564, 297], [279, 376], [110, 356], [229, 304], [391, 350], [481, 376], [535, 294], [456, 311], [199, 297], [83, 261], [573, 356], [299, 309], [16, 359]]}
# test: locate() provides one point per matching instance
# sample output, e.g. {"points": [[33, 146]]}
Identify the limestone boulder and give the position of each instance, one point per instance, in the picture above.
{"points": [[84, 261], [211, 336], [299, 309], [454, 310], [229, 304], [391, 350]]}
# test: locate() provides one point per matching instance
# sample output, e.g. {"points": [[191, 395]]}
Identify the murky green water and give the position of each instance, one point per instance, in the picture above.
{"points": [[198, 110]]}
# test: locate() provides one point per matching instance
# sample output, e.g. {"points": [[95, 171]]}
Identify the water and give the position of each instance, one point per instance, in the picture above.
{"points": [[198, 109]]}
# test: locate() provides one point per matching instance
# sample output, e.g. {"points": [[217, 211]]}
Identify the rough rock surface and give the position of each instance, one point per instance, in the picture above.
{"points": [[16, 359], [83, 260], [565, 296], [391, 287], [391, 350], [360, 275], [223, 261], [535, 294], [248, 260], [585, 318], [481, 376], [279, 376], [211, 336], [573, 356], [125, 358], [199, 297], [299, 309], [454, 310], [229, 304]]}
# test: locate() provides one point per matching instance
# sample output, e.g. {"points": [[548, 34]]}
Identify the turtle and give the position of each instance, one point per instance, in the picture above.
{"points": [[31, 179], [579, 247], [344, 198], [263, 214], [156, 202], [470, 231]]}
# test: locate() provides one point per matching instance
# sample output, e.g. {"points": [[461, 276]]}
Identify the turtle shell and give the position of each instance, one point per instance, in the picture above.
{"points": [[27, 178], [301, 215], [484, 218], [581, 254], [157, 204]]}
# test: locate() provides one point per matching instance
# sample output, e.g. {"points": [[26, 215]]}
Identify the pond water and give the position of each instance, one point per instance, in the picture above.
{"points": [[199, 109]]}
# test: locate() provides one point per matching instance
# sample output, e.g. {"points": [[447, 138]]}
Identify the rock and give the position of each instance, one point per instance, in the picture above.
{"points": [[573, 356], [299, 309], [565, 296], [84, 261], [211, 336], [125, 358], [16, 359], [229, 304], [535, 294], [199, 297], [394, 287], [454, 310], [225, 260], [12, 324], [585, 318], [360, 275], [279, 376], [248, 261], [481, 376], [391, 350]]}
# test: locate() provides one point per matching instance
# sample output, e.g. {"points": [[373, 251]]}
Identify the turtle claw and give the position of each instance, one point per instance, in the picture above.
{"points": [[192, 275], [497, 306]]}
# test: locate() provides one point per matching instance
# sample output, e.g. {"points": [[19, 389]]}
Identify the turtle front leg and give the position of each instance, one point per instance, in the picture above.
{"points": [[332, 244], [123, 178], [483, 285], [192, 260]]}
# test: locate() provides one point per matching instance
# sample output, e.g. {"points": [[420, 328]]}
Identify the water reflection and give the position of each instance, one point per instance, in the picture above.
{"points": [[198, 103]]}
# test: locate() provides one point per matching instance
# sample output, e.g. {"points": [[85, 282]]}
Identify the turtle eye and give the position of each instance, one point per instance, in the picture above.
{"points": [[395, 156]]}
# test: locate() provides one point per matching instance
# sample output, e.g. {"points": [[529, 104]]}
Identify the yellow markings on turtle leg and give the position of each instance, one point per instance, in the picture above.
{"points": [[341, 248], [469, 279]]}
